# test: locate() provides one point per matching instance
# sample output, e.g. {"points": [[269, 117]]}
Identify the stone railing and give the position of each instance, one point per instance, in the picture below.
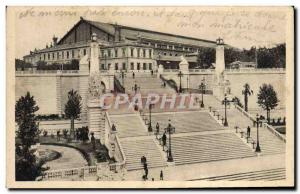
{"points": [[244, 112], [171, 70], [265, 125], [82, 172], [273, 130], [201, 70], [51, 72], [118, 152], [74, 173], [258, 70]]}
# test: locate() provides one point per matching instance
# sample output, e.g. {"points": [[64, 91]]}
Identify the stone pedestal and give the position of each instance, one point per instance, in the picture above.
{"points": [[96, 119], [219, 92], [160, 70]]}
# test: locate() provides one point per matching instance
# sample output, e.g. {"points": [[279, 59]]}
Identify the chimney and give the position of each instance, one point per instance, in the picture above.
{"points": [[54, 40]]}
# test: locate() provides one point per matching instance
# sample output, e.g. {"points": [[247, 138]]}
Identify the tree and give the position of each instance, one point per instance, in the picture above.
{"points": [[73, 107], [27, 167], [267, 98], [246, 92], [206, 57]]}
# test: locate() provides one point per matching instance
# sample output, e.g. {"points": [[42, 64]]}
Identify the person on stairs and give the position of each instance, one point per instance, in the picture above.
{"points": [[164, 140], [157, 129], [161, 175], [248, 131]]}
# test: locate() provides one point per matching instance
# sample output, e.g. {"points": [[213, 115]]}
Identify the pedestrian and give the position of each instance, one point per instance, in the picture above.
{"points": [[58, 135], [248, 132], [161, 175], [152, 72], [113, 127], [142, 160], [157, 129], [145, 165], [164, 140], [164, 84], [144, 177]]}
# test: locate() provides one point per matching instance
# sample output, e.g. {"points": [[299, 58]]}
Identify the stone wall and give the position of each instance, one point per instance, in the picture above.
{"points": [[255, 80], [51, 90], [43, 88]]}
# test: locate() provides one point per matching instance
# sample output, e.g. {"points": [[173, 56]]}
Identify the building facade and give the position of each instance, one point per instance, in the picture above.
{"points": [[124, 48]]}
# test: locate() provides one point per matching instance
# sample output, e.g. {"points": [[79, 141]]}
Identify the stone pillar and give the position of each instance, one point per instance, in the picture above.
{"points": [[184, 68], [220, 59], [83, 91], [111, 74], [94, 56], [58, 95], [160, 70], [96, 119]]}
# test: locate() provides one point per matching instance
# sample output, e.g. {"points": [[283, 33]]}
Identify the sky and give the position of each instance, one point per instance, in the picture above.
{"points": [[34, 27]]}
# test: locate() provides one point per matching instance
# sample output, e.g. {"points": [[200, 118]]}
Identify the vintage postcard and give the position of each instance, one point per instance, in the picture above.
{"points": [[150, 97]]}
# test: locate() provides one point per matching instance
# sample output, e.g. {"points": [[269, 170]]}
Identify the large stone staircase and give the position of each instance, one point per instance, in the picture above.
{"points": [[186, 122], [128, 125], [146, 83], [261, 175], [207, 148], [269, 143], [135, 149]]}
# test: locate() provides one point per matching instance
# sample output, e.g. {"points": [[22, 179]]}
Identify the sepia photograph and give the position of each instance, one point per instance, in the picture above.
{"points": [[149, 97]]}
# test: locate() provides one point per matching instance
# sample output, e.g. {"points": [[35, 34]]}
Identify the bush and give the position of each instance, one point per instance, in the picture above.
{"points": [[49, 117]]}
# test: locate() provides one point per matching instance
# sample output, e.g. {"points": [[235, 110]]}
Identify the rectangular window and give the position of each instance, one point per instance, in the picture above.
{"points": [[116, 66], [57, 55], [132, 66], [144, 66], [67, 54], [48, 56], [72, 53], [102, 53], [84, 52], [109, 53], [144, 53], [150, 53], [53, 56], [63, 54], [150, 66], [138, 52], [138, 66], [124, 66], [131, 52], [116, 52]]}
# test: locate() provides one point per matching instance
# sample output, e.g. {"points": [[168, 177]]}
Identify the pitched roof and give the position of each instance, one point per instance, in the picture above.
{"points": [[109, 28], [147, 34]]}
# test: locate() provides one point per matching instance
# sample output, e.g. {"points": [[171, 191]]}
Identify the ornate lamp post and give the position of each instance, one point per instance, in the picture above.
{"points": [[180, 75], [202, 86], [169, 129], [150, 125], [257, 134]]}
